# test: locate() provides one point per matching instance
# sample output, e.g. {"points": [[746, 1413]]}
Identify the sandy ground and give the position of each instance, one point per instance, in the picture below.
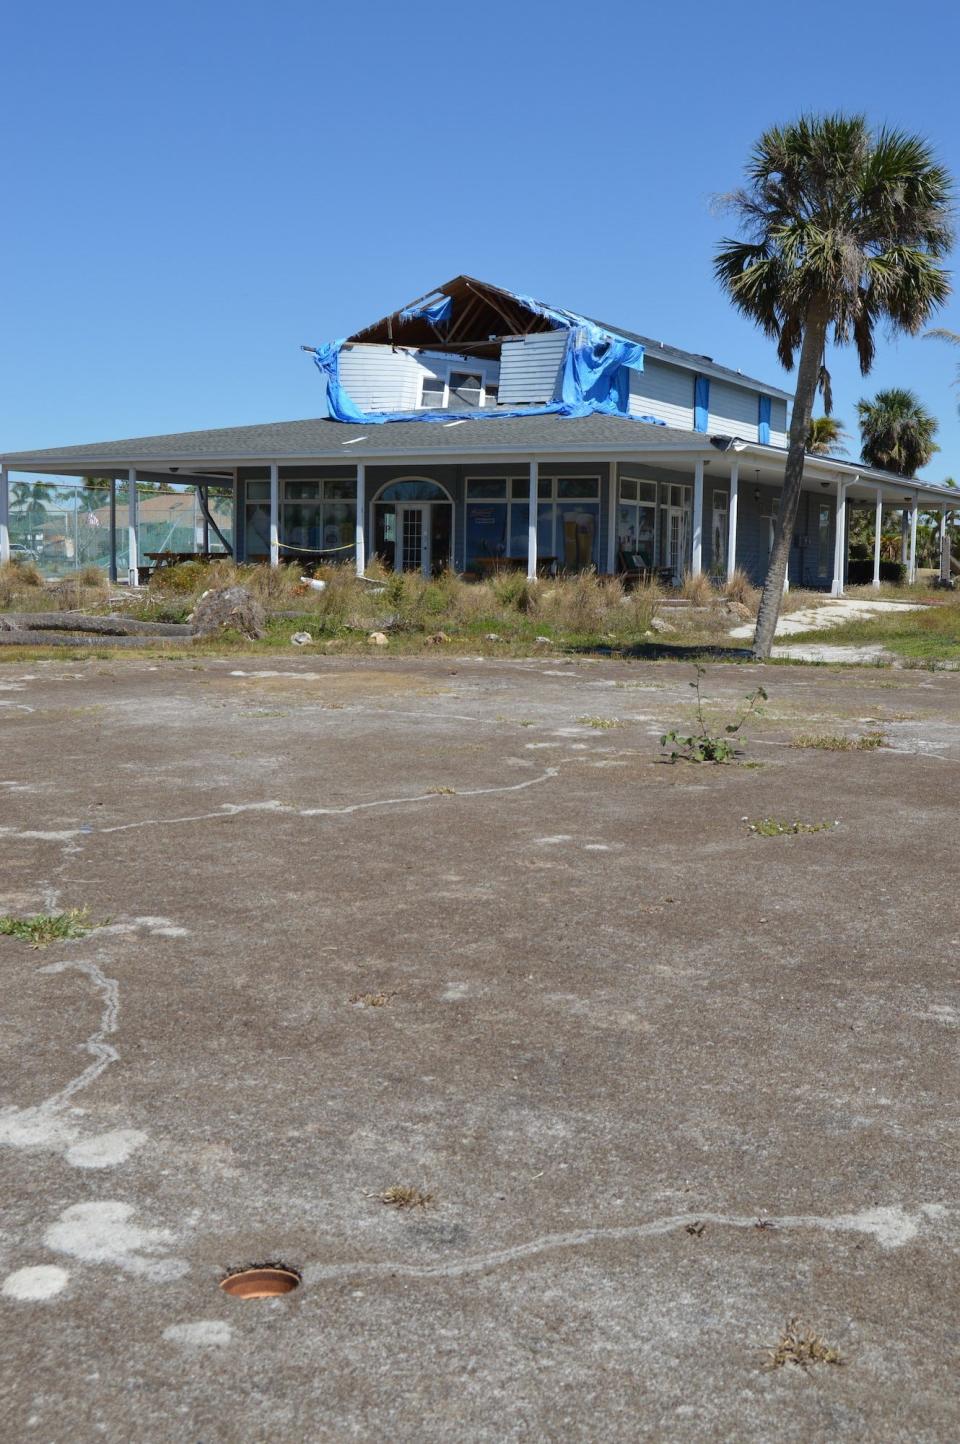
{"points": [[620, 1033]]}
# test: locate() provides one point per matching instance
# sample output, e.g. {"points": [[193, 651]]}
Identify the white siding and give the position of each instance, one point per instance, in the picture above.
{"points": [[377, 378], [778, 423], [529, 367], [734, 411], [663, 391]]}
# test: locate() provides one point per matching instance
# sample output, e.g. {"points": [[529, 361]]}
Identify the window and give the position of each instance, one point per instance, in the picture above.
{"points": [[466, 389], [498, 519], [718, 555], [824, 560], [458, 390], [637, 521], [317, 516]]}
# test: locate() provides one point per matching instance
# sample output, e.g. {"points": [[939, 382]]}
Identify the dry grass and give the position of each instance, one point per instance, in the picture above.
{"points": [[869, 742], [740, 589], [697, 588], [372, 1000], [17, 578], [441, 791], [401, 1196], [803, 1347]]}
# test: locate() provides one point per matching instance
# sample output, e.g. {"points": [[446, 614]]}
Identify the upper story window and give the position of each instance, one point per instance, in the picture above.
{"points": [[460, 390]]}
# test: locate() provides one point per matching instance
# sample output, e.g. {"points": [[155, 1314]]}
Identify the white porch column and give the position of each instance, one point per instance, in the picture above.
{"points": [[133, 530], [732, 519], [361, 534], [912, 566], [696, 555], [944, 546], [112, 563], [532, 522], [877, 530], [4, 513], [612, 503], [904, 533], [274, 514], [840, 541], [235, 534]]}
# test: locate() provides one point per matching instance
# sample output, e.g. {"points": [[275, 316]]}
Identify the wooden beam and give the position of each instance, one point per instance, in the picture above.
{"points": [[463, 320]]}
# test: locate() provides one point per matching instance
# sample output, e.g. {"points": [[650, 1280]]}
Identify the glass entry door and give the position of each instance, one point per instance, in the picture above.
{"points": [[412, 552]]}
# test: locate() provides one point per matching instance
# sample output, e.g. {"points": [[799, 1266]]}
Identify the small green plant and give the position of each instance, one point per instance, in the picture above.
{"points": [[782, 827], [601, 724], [701, 746], [44, 928], [869, 742]]}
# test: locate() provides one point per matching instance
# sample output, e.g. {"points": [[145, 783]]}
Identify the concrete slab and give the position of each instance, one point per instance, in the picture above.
{"points": [[832, 612], [618, 1034]]}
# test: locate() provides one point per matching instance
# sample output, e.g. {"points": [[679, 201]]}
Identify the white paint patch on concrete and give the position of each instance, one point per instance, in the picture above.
{"points": [[555, 841], [31, 1285], [201, 1334], [540, 746], [106, 1150], [104, 1232], [596, 847], [454, 992]]}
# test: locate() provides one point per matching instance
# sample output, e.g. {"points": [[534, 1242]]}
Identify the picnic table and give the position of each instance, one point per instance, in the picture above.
{"points": [[171, 559]]}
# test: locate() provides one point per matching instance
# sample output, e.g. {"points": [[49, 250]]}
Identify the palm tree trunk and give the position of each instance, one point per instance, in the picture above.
{"points": [[808, 375]]}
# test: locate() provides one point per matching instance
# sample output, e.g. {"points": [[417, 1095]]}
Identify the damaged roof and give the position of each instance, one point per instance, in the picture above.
{"points": [[484, 314]]}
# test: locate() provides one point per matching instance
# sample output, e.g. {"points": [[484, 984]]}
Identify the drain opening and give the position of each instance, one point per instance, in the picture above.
{"points": [[267, 1281]]}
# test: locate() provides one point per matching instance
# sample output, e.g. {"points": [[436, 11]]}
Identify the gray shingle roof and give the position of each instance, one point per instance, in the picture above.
{"points": [[279, 440]]}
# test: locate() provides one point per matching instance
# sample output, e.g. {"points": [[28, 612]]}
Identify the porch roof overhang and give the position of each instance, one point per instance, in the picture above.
{"points": [[198, 457]]}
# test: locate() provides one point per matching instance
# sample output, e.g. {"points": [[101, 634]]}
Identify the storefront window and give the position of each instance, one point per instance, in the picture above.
{"points": [[316, 516], [637, 521], [568, 521]]}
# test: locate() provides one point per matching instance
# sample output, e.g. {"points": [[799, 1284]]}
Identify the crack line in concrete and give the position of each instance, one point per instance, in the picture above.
{"points": [[890, 1226], [103, 1053], [233, 809]]}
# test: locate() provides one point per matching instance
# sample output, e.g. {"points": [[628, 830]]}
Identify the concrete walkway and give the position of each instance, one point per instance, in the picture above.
{"points": [[832, 613]]}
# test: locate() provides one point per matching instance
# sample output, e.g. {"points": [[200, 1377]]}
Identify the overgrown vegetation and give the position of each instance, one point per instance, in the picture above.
{"points": [[829, 742], [43, 928], [704, 746], [783, 827]]}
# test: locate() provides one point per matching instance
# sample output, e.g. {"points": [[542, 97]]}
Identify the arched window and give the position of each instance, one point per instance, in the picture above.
{"points": [[413, 490]]}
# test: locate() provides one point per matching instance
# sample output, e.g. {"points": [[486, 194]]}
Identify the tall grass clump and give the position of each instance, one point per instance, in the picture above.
{"points": [[17, 577], [696, 587]]}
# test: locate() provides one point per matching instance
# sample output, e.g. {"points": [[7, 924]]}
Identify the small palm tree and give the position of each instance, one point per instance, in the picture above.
{"points": [[826, 437], [845, 229], [897, 431]]}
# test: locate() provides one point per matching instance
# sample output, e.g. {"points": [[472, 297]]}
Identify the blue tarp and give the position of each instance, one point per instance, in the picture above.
{"points": [[701, 403], [763, 421], [436, 312], [594, 378]]}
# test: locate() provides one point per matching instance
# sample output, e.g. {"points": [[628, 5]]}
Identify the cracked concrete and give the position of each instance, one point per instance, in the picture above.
{"points": [[668, 1083]]}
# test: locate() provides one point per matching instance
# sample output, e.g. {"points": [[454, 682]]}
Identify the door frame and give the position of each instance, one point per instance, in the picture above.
{"points": [[426, 535]]}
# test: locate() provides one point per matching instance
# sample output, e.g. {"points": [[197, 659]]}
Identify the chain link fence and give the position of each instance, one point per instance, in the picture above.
{"points": [[64, 526]]}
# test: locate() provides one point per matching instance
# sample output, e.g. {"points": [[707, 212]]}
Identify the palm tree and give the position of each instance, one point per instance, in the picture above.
{"points": [[826, 437], [846, 228], [897, 431]]}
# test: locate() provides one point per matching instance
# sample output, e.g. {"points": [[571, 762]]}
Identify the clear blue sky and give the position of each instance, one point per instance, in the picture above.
{"points": [[191, 190]]}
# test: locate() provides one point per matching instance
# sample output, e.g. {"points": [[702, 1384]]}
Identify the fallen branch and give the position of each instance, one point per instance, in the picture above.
{"points": [[81, 622]]}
